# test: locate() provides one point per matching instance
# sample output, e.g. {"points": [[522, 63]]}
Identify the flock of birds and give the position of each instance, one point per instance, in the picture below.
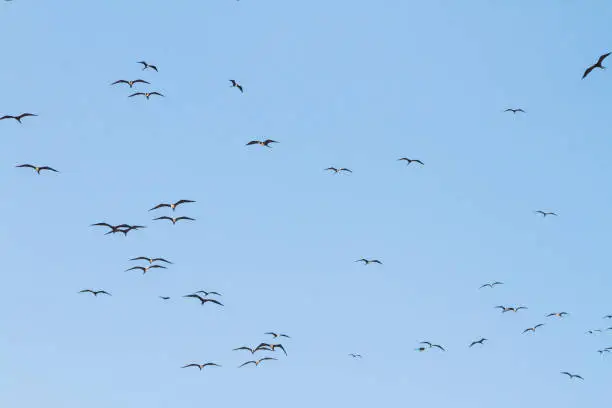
{"points": [[210, 297]]}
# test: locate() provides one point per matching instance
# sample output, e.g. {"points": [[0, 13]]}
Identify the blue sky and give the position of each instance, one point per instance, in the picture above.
{"points": [[353, 84]]}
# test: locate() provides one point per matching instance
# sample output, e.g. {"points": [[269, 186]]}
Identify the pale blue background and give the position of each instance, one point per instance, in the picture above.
{"points": [[345, 83]]}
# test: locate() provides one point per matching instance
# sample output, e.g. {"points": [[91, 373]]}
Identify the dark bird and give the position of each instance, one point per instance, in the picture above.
{"points": [[431, 345], [114, 228], [236, 85], [560, 314], [481, 342], [571, 375], [253, 350], [164, 297], [533, 329], [490, 285], [145, 66], [275, 335], [544, 213], [38, 169], [421, 348], [203, 300], [608, 317], [18, 117], [369, 261], [145, 269], [355, 355], [408, 161], [130, 83], [257, 362], [340, 170], [514, 110], [510, 309], [172, 205], [598, 64], [150, 260], [208, 293], [145, 94], [174, 220], [264, 143], [603, 351], [201, 366], [273, 347], [593, 331], [125, 229], [95, 292]]}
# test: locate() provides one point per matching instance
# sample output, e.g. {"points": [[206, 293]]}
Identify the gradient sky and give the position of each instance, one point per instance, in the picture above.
{"points": [[337, 83]]}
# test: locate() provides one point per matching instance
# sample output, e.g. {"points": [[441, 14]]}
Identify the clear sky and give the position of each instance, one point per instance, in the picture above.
{"points": [[338, 83]]}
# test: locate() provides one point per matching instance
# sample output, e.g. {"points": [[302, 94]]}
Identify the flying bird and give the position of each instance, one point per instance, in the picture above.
{"points": [[145, 66], [203, 300], [533, 329], [598, 64], [145, 94], [608, 317], [18, 117], [408, 161], [95, 292], [164, 297], [369, 261], [208, 293], [490, 285], [264, 143], [510, 309], [145, 269], [172, 205], [572, 375], [200, 366], [236, 85], [355, 355], [253, 350], [125, 230], [273, 347], [37, 169], [130, 83], [544, 213], [603, 351], [481, 342], [275, 335], [560, 314], [431, 345], [593, 331], [257, 362], [514, 110], [340, 170], [150, 260], [174, 220]]}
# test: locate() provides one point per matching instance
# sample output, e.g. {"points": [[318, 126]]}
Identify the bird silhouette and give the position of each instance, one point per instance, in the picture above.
{"points": [[164, 297], [174, 220], [431, 345], [265, 143], [172, 205], [18, 117], [36, 168], [208, 293], [253, 350], [510, 309], [560, 314], [130, 83], [257, 362], [491, 285], [145, 66], [340, 170], [203, 300], [545, 214], [275, 335], [514, 110], [355, 355], [481, 342], [146, 94], [150, 260], [369, 261], [145, 269], [572, 375], [236, 85], [95, 292], [201, 366], [533, 329], [598, 64], [408, 161], [273, 347]]}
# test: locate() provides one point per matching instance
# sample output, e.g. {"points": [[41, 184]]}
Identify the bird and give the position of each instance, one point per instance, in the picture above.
{"points": [[208, 293], [203, 300], [421, 348], [355, 355], [510, 309], [201, 366], [408, 161], [533, 329], [253, 350], [95, 292], [560, 314], [431, 345], [340, 170], [481, 342], [273, 347], [37, 169], [125, 230], [598, 64], [369, 261], [275, 335], [174, 220], [603, 351], [264, 143], [236, 85], [18, 117], [112, 227], [571, 375], [593, 331], [257, 361], [607, 317], [544, 213], [130, 83], [145, 94], [164, 297], [490, 285], [145, 66], [172, 205], [150, 260], [145, 269], [514, 110]]}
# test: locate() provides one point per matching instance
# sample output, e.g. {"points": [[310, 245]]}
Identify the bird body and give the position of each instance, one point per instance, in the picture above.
{"points": [[275, 335], [257, 362], [265, 143], [36, 168], [18, 117], [146, 94], [130, 83], [201, 366], [145, 66], [253, 350], [355, 355], [514, 110], [174, 220], [598, 64], [340, 170], [145, 269], [150, 260], [560, 314], [571, 376], [491, 285], [369, 261], [533, 329], [545, 213], [172, 205], [408, 161], [204, 300], [235, 84], [481, 342], [95, 292]]}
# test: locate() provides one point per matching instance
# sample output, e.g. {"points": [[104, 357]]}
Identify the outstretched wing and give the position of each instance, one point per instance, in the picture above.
{"points": [[603, 57], [588, 70], [248, 362], [48, 168], [159, 206], [27, 165]]}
